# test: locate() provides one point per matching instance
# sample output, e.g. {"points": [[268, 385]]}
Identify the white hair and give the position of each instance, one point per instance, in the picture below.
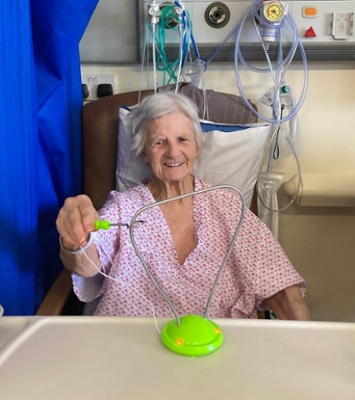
{"points": [[157, 106]]}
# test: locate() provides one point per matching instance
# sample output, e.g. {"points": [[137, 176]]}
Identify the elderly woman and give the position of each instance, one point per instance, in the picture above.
{"points": [[183, 242]]}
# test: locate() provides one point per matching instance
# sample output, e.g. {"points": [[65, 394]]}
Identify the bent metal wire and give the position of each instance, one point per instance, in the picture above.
{"points": [[221, 268]]}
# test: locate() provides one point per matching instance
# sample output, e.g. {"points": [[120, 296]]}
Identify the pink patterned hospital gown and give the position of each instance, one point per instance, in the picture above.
{"points": [[256, 269]]}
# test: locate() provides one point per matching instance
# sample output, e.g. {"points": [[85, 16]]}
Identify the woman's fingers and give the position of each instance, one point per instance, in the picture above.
{"points": [[76, 220]]}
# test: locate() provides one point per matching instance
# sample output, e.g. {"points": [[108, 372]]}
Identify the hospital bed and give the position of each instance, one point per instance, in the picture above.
{"points": [[100, 130]]}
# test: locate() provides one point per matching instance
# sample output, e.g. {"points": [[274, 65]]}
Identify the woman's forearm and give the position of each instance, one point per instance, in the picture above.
{"points": [[289, 304], [82, 263]]}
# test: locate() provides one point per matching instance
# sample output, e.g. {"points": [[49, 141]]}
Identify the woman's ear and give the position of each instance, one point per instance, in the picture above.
{"points": [[198, 151], [144, 157]]}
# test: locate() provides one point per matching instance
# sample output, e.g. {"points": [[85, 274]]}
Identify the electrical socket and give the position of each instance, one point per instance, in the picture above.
{"points": [[94, 80]]}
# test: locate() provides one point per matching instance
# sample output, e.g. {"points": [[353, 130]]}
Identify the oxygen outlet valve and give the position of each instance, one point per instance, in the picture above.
{"points": [[270, 19], [274, 11], [154, 12]]}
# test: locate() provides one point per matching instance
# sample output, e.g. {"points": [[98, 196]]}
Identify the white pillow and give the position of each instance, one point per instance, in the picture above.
{"points": [[231, 154]]}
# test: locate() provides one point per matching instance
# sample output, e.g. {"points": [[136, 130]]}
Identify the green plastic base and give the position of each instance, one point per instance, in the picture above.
{"points": [[196, 336]]}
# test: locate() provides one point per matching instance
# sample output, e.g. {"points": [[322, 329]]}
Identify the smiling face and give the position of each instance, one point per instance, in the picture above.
{"points": [[171, 148]]}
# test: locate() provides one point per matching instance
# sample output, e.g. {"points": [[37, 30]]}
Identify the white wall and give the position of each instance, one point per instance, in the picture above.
{"points": [[319, 241]]}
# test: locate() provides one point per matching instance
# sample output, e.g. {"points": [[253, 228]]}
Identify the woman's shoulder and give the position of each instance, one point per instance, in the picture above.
{"points": [[137, 194], [222, 190], [230, 196], [200, 184]]}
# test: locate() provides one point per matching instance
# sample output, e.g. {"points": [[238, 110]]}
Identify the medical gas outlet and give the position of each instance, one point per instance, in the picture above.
{"points": [[269, 18], [217, 15], [274, 11]]}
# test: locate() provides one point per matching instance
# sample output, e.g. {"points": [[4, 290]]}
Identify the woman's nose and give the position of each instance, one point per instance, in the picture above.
{"points": [[172, 149]]}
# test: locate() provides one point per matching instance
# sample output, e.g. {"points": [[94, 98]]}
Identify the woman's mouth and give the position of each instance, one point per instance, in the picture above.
{"points": [[173, 164]]}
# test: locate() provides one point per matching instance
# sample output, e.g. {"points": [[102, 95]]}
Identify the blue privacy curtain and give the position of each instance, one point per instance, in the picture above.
{"points": [[40, 151]]}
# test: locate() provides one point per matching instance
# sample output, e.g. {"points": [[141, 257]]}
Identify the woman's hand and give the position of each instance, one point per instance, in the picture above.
{"points": [[74, 223], [289, 304]]}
